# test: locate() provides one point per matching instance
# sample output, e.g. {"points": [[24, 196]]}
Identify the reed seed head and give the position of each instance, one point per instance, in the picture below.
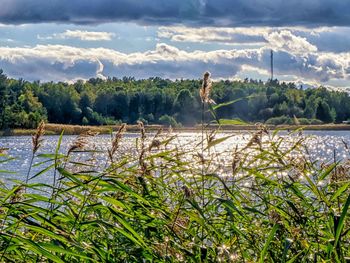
{"points": [[236, 160], [204, 91], [116, 141], [142, 130], [187, 192], [275, 217], [81, 141], [17, 195], [156, 143], [3, 150], [36, 138]]}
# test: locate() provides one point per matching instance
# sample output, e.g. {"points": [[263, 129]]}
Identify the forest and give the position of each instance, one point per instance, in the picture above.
{"points": [[24, 104]]}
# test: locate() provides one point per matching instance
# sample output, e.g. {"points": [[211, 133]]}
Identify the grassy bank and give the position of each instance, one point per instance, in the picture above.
{"points": [[158, 201], [56, 129]]}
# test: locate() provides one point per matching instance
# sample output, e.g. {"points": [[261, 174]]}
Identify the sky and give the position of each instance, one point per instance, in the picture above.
{"points": [[61, 40]]}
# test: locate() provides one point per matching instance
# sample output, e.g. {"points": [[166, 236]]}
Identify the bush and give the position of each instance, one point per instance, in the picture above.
{"points": [[95, 118], [316, 122], [279, 120], [85, 121], [303, 121], [149, 117], [168, 120], [109, 121]]}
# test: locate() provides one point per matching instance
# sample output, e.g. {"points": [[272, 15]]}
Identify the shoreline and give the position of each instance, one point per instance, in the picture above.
{"points": [[56, 129]]}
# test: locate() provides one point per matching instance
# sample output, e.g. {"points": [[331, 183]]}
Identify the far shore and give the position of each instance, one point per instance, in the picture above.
{"points": [[56, 129]]}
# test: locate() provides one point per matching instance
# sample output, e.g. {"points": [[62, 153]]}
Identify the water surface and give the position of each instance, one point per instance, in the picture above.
{"points": [[322, 146]]}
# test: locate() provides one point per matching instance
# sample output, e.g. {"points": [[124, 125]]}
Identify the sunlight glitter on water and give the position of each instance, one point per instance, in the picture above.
{"points": [[321, 146]]}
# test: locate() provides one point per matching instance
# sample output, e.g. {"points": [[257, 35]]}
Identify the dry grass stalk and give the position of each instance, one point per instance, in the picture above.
{"points": [[142, 163], [81, 141], [17, 195], [155, 142], [204, 91], [142, 130], [201, 158], [275, 217], [36, 138], [211, 136], [116, 141], [236, 159], [345, 144], [257, 137], [3, 150], [340, 173], [255, 140], [187, 192]]}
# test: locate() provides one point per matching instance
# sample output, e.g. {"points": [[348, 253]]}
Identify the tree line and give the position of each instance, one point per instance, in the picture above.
{"points": [[162, 101]]}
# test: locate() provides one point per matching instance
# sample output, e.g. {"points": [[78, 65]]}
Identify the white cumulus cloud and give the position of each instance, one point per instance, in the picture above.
{"points": [[213, 34], [286, 40], [82, 35], [293, 39], [66, 63]]}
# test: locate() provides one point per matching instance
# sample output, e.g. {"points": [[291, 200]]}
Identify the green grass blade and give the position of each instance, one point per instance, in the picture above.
{"points": [[7, 172], [340, 191], [132, 235], [293, 259], [217, 141], [326, 172], [268, 242], [64, 251], [212, 111], [218, 106], [42, 171], [34, 247], [341, 222]]}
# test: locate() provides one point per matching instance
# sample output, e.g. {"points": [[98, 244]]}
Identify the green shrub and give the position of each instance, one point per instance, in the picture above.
{"points": [[303, 121], [85, 121], [168, 121], [316, 122], [279, 120]]}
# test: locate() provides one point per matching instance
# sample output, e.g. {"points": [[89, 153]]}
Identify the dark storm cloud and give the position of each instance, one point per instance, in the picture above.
{"points": [[95, 11], [192, 12]]}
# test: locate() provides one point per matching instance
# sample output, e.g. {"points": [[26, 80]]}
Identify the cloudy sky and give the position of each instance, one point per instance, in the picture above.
{"points": [[61, 40]]}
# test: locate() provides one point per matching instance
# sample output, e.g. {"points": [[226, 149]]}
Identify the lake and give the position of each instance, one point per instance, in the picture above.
{"points": [[322, 146]]}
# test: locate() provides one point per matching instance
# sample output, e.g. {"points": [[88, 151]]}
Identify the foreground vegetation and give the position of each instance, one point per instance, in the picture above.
{"points": [[159, 201], [24, 104]]}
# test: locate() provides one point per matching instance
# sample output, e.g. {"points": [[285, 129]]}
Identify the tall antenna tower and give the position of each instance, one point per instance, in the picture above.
{"points": [[271, 65]]}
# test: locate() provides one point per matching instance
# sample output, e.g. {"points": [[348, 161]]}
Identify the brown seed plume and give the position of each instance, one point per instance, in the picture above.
{"points": [[36, 138], [3, 150], [116, 141], [81, 141], [204, 91], [155, 142]]}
